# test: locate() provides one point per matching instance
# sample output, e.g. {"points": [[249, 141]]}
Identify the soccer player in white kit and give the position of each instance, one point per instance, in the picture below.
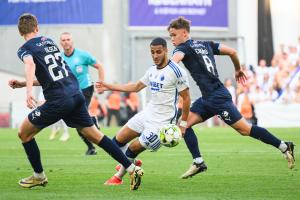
{"points": [[166, 80]]}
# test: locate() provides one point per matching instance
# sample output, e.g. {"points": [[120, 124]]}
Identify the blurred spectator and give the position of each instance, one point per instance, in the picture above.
{"points": [[246, 107], [102, 114], [272, 94], [281, 80], [132, 104], [258, 96], [288, 96], [231, 89], [293, 57], [251, 79], [273, 69], [279, 54], [94, 106], [261, 70], [266, 84], [297, 95], [55, 129], [114, 106], [96, 109], [284, 63]]}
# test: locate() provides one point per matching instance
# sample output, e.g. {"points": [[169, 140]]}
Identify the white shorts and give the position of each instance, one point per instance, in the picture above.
{"points": [[148, 129]]}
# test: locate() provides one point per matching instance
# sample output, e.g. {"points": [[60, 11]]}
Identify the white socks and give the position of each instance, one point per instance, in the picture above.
{"points": [[198, 160], [122, 170], [39, 175], [283, 147]]}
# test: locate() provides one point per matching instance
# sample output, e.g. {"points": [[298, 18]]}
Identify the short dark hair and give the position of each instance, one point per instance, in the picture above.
{"points": [[27, 23], [158, 41], [180, 23]]}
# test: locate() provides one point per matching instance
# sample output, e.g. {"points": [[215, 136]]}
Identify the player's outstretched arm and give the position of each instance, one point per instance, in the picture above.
{"points": [[16, 84], [232, 53], [20, 84], [129, 87]]}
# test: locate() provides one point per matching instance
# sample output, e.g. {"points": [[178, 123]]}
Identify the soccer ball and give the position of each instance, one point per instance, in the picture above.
{"points": [[170, 135]]}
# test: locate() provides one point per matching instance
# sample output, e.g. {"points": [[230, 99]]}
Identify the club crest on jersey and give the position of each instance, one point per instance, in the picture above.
{"points": [[79, 69], [225, 115], [35, 114], [162, 78]]}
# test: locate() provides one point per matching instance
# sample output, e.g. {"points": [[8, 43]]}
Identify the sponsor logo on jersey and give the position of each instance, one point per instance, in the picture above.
{"points": [[44, 43], [225, 115], [155, 85], [197, 45], [35, 114]]}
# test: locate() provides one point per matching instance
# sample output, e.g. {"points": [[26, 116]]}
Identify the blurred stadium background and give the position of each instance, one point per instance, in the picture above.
{"points": [[118, 33]]}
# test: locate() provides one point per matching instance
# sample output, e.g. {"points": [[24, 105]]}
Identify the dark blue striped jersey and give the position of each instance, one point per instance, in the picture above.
{"points": [[52, 72], [199, 60]]}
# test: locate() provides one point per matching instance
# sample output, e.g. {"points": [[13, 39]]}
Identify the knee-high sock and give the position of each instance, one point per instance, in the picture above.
{"points": [[265, 136], [33, 155], [122, 146], [131, 156], [115, 152], [191, 141]]}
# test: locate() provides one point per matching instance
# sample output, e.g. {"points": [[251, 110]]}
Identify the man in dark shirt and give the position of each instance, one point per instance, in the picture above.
{"points": [[64, 100], [198, 58]]}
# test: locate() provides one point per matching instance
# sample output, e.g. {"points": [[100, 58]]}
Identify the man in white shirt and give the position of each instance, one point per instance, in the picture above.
{"points": [[166, 80]]}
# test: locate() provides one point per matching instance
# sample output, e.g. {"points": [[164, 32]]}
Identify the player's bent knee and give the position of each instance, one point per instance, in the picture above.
{"points": [[243, 132], [24, 137], [92, 134]]}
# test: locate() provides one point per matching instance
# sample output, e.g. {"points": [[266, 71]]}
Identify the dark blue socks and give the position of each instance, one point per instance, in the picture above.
{"points": [[191, 141], [33, 155], [265, 136], [114, 151], [130, 154], [119, 144]]}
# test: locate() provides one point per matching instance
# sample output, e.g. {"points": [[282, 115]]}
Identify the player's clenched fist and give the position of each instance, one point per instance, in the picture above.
{"points": [[15, 84]]}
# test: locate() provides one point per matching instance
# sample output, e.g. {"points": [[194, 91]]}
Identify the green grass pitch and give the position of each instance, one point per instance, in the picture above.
{"points": [[238, 168]]}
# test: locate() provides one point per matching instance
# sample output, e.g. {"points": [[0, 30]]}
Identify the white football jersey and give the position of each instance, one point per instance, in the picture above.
{"points": [[165, 84]]}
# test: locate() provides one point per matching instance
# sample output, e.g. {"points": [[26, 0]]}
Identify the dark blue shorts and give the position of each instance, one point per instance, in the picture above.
{"points": [[72, 110], [220, 103]]}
